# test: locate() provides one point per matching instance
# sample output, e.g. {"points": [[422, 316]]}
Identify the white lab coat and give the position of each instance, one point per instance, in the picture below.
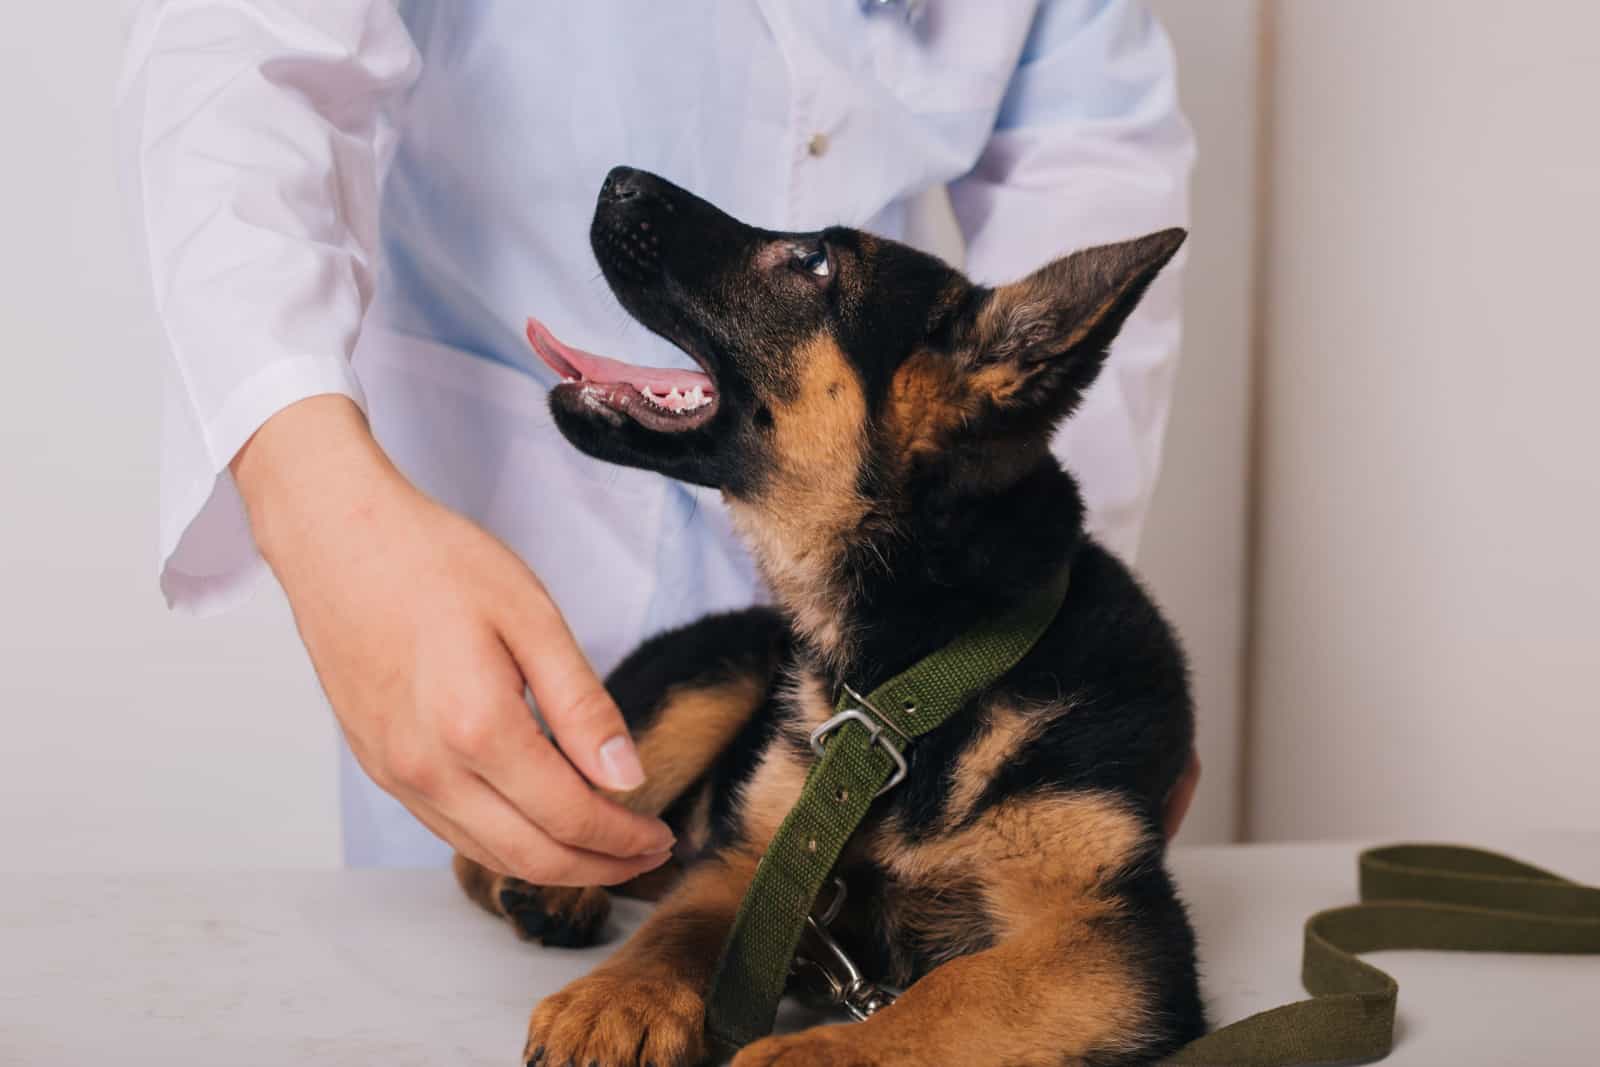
{"points": [[354, 197]]}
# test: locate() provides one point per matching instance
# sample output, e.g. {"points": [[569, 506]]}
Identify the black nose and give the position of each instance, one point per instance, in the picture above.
{"points": [[623, 183]]}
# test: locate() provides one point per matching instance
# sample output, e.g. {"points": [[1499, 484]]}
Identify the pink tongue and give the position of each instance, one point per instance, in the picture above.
{"points": [[572, 362]]}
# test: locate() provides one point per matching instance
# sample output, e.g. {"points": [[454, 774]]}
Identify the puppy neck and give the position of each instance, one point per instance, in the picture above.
{"points": [[873, 588]]}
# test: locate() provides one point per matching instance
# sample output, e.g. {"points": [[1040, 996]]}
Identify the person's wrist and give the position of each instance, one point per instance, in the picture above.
{"points": [[311, 468]]}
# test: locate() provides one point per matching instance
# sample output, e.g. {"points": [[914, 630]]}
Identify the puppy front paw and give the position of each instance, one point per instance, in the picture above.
{"points": [[612, 1020], [558, 916]]}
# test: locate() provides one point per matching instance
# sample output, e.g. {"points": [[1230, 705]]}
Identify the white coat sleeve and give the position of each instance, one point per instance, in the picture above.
{"points": [[251, 143], [1090, 147]]}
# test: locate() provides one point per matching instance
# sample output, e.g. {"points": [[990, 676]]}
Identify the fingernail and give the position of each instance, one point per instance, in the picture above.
{"points": [[621, 763]]}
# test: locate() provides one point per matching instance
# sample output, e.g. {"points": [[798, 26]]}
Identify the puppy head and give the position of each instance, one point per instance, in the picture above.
{"points": [[839, 369], [820, 346]]}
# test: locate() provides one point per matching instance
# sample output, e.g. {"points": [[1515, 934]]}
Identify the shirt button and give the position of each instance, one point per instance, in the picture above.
{"points": [[818, 145]]}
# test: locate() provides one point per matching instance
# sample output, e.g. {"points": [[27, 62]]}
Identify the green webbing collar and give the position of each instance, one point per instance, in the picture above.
{"points": [[1413, 897], [860, 754]]}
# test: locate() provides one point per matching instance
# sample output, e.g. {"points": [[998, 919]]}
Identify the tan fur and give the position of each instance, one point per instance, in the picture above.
{"points": [[806, 699], [811, 506], [697, 824], [694, 724], [932, 396], [928, 397], [771, 792], [1025, 852], [1001, 383], [1007, 731]]}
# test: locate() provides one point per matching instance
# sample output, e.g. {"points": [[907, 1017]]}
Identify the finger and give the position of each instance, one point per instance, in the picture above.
{"points": [[1182, 795], [522, 766], [575, 705], [528, 852]]}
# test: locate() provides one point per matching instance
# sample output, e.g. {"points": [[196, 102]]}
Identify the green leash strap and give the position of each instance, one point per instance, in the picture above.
{"points": [[1413, 897], [861, 756]]}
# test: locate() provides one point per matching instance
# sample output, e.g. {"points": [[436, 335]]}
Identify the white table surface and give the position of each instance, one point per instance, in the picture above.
{"points": [[394, 969]]}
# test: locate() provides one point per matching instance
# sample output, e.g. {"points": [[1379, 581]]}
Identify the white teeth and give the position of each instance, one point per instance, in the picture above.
{"points": [[676, 400]]}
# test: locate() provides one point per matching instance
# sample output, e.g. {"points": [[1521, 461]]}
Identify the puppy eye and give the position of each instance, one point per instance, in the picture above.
{"points": [[815, 263]]}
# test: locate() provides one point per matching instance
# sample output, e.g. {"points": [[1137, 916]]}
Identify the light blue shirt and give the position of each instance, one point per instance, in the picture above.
{"points": [[257, 136]]}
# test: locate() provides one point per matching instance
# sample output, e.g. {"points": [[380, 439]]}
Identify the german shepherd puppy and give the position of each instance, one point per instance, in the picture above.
{"points": [[880, 428]]}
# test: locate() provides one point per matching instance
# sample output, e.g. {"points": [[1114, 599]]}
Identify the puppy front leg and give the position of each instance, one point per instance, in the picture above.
{"points": [[646, 1004], [1043, 997]]}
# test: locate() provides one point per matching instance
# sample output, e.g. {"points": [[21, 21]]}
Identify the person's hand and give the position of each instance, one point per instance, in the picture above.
{"points": [[422, 628], [1181, 796]]}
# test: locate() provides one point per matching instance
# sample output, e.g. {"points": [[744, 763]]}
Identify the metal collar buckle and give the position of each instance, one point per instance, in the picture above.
{"points": [[836, 980], [876, 725]]}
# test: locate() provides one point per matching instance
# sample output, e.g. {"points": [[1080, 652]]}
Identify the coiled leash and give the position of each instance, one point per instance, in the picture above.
{"points": [[1413, 897], [860, 757]]}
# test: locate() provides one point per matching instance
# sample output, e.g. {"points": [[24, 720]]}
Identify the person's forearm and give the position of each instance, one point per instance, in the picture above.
{"points": [[313, 464]]}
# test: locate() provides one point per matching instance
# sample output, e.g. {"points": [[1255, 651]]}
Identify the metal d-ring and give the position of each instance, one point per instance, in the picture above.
{"points": [[875, 730]]}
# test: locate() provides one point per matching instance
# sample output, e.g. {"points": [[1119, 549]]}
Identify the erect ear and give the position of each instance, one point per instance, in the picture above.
{"points": [[1038, 343]]}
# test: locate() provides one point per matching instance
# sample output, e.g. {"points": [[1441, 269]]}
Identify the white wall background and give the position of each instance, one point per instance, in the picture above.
{"points": [[129, 738], [1193, 553], [1428, 613]]}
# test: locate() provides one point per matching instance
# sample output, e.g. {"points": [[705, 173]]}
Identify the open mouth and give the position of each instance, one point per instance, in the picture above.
{"points": [[657, 398]]}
